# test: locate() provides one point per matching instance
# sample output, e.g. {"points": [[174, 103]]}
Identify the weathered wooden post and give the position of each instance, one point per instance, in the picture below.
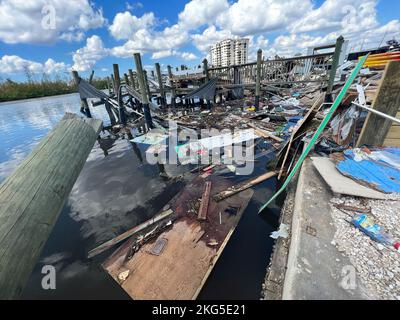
{"points": [[132, 78], [142, 85], [171, 82], [91, 77], [207, 78], [32, 197], [160, 84], [387, 100], [335, 62], [109, 86], [258, 80], [84, 104], [152, 74], [117, 79], [126, 79], [113, 84], [146, 81]]}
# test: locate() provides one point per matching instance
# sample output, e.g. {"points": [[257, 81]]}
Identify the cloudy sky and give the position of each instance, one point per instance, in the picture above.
{"points": [[53, 36]]}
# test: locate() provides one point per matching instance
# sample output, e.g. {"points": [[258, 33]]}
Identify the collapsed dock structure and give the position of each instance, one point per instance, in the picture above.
{"points": [[276, 113]]}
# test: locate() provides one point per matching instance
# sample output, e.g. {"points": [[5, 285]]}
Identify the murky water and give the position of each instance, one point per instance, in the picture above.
{"points": [[113, 193]]}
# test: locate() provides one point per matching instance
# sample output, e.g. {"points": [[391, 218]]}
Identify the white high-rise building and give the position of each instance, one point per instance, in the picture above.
{"points": [[229, 52]]}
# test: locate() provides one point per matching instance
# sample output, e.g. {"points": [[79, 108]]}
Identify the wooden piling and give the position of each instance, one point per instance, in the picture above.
{"points": [[109, 86], [146, 81], [32, 197], [84, 104], [126, 79], [142, 86], [335, 63], [160, 84], [173, 93], [132, 78], [91, 77], [205, 70], [258, 80], [117, 79]]}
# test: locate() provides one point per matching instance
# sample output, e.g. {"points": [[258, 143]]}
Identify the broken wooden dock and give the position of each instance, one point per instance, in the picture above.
{"points": [[176, 263]]}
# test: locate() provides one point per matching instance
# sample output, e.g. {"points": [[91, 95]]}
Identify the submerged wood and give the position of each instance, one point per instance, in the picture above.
{"points": [[32, 197], [107, 245]]}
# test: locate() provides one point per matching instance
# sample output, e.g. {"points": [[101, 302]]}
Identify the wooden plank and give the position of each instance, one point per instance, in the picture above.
{"points": [[32, 197], [109, 244], [205, 199], [243, 186], [264, 133], [387, 100], [182, 268], [394, 133], [316, 105], [392, 143]]}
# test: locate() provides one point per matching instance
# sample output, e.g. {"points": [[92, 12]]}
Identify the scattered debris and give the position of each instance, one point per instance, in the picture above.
{"points": [[282, 232]]}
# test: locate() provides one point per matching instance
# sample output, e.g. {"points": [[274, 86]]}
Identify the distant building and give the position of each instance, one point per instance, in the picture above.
{"points": [[229, 52]]}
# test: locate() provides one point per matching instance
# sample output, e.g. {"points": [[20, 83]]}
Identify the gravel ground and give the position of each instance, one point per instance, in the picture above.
{"points": [[378, 266]]}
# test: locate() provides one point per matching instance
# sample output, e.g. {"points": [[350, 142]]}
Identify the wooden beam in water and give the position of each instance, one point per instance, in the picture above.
{"points": [[32, 197], [109, 244]]}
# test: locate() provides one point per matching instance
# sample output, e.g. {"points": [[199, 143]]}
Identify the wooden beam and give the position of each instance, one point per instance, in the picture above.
{"points": [[109, 244], [387, 100], [243, 186], [32, 197], [205, 200]]}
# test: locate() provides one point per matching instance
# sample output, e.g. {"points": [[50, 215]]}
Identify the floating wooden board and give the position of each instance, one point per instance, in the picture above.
{"points": [[191, 251]]}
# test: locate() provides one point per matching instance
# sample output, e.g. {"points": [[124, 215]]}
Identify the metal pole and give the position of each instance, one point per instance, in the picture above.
{"points": [[145, 101], [258, 80], [384, 115]]}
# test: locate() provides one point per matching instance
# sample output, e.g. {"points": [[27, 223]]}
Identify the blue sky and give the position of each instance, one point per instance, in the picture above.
{"points": [[95, 34]]}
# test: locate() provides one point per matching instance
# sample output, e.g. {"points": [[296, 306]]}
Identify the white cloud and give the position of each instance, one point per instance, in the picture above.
{"points": [[256, 16], [167, 53], [86, 57], [21, 20], [125, 24], [209, 36], [199, 12], [15, 64], [352, 15], [147, 40]]}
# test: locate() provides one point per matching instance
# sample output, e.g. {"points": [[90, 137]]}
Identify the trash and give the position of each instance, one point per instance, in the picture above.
{"points": [[281, 233], [159, 246], [367, 225], [212, 243], [123, 276], [151, 137]]}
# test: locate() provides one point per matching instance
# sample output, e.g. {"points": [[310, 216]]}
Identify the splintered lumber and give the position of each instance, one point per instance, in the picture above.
{"points": [[264, 133], [107, 245], [205, 199], [243, 186], [32, 197], [318, 132], [387, 101], [191, 249], [306, 118]]}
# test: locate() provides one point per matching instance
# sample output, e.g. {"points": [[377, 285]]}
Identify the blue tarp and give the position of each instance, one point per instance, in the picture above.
{"points": [[379, 169]]}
